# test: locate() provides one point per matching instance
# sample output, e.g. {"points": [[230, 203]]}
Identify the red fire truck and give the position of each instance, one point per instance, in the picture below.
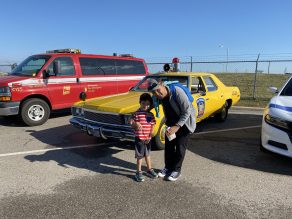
{"points": [[55, 80]]}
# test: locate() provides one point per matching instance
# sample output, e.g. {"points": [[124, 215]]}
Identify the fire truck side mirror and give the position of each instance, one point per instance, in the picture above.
{"points": [[46, 73], [82, 96], [13, 66], [57, 67]]}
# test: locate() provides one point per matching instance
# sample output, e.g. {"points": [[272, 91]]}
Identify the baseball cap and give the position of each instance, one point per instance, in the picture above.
{"points": [[153, 85]]}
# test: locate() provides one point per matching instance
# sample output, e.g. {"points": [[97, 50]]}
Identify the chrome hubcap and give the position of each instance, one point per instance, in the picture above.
{"points": [[36, 112]]}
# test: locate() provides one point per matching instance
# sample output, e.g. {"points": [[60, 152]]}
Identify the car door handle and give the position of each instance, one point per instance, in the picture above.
{"points": [[207, 99]]}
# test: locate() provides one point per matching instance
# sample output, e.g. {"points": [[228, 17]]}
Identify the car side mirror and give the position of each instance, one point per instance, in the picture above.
{"points": [[46, 73], [203, 93], [13, 66], [57, 67], [273, 90], [82, 96]]}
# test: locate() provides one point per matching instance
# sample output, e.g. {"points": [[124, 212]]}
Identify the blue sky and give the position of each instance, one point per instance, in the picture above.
{"points": [[147, 29]]}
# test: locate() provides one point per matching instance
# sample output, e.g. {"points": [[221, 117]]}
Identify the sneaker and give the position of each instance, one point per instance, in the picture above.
{"points": [[174, 176], [162, 173], [152, 173], [139, 176]]}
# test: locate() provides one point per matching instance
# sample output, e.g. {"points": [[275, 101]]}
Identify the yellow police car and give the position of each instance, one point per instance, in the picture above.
{"points": [[108, 117]]}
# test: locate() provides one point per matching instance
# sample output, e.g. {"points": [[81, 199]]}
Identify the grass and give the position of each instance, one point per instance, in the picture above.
{"points": [[245, 82]]}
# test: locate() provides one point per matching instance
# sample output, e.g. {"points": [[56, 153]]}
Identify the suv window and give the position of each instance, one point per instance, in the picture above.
{"points": [[30, 66], [130, 67], [211, 86], [97, 66], [66, 67]]}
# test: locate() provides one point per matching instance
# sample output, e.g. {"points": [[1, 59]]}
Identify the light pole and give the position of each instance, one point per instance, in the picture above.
{"points": [[227, 57]]}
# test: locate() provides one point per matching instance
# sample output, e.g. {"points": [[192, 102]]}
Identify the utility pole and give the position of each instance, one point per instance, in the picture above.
{"points": [[227, 56]]}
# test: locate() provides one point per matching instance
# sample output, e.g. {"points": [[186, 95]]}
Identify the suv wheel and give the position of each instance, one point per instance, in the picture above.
{"points": [[35, 112]]}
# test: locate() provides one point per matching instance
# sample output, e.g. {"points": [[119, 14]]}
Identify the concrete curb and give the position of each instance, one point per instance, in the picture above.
{"points": [[258, 109]]}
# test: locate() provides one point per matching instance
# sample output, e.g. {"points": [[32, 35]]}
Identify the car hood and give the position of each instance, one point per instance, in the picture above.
{"points": [[281, 107], [6, 80], [123, 103]]}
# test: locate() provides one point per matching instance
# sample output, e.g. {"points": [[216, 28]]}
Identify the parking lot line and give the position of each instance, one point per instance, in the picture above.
{"points": [[227, 130], [94, 145], [51, 149]]}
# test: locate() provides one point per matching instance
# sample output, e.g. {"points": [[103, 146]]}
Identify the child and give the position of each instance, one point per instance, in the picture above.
{"points": [[143, 121]]}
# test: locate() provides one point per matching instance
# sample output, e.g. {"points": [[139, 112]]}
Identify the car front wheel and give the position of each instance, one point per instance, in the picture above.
{"points": [[159, 139], [35, 112]]}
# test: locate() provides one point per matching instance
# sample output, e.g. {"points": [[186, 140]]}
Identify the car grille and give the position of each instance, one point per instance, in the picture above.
{"points": [[104, 118]]}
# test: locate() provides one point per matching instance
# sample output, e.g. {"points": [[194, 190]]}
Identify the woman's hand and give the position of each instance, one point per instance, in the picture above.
{"points": [[171, 130]]}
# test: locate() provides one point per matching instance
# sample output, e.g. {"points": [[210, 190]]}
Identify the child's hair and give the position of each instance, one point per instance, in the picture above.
{"points": [[146, 96]]}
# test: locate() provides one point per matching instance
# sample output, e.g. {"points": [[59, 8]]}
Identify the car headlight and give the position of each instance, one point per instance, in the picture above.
{"points": [[77, 111], [277, 122], [127, 119], [5, 94]]}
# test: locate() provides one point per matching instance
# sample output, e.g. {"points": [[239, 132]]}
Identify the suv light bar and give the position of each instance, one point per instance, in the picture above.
{"points": [[76, 51]]}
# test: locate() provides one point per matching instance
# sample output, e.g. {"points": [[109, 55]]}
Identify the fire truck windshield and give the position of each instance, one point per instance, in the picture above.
{"points": [[31, 66]]}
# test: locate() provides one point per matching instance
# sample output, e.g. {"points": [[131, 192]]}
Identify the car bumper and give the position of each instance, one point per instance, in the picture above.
{"points": [[276, 140], [9, 108], [105, 131]]}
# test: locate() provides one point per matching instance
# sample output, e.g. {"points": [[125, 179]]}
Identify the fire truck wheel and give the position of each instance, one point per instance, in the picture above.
{"points": [[35, 112]]}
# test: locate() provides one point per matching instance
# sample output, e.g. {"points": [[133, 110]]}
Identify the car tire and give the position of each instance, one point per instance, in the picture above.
{"points": [[34, 112], [222, 115], [159, 138]]}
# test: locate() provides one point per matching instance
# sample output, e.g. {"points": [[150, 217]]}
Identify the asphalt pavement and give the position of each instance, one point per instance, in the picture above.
{"points": [[56, 171]]}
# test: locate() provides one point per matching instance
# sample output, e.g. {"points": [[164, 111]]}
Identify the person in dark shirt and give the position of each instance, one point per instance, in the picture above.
{"points": [[180, 118]]}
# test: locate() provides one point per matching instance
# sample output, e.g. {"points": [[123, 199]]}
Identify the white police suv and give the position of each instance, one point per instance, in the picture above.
{"points": [[276, 133]]}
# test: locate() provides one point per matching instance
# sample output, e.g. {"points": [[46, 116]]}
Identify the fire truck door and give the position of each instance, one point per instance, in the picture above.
{"points": [[62, 83]]}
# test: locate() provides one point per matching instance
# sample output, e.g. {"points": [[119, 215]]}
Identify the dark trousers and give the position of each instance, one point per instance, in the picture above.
{"points": [[175, 150]]}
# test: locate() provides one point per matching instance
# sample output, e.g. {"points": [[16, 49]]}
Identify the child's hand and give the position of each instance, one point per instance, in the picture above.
{"points": [[148, 141], [137, 126]]}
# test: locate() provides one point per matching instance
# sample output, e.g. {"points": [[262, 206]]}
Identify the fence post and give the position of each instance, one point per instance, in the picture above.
{"points": [[191, 63], [255, 78]]}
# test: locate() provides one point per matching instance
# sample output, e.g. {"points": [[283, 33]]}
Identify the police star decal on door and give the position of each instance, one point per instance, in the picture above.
{"points": [[201, 106]]}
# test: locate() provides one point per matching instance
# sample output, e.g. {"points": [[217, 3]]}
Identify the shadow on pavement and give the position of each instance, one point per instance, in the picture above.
{"points": [[98, 159], [239, 148]]}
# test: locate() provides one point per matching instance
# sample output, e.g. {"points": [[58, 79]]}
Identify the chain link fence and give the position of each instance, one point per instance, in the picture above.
{"points": [[5, 68], [253, 77]]}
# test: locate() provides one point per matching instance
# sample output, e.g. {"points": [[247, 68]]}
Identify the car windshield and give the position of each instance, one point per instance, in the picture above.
{"points": [[30, 66], [287, 91], [143, 85]]}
